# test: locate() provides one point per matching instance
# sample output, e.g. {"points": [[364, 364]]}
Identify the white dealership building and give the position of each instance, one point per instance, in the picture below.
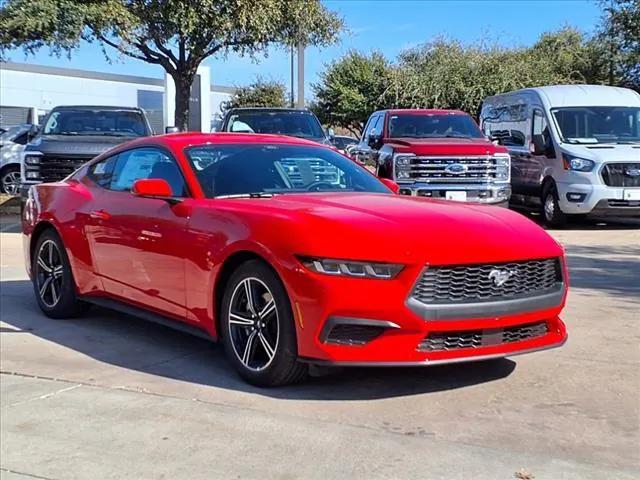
{"points": [[28, 92]]}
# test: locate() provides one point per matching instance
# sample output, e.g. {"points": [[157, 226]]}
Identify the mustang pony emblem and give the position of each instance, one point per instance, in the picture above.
{"points": [[500, 277]]}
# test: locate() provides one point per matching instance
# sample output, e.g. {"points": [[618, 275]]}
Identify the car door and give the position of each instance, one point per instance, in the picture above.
{"points": [[535, 163], [137, 243], [364, 154]]}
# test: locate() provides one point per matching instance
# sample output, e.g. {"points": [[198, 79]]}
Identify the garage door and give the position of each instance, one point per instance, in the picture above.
{"points": [[14, 115]]}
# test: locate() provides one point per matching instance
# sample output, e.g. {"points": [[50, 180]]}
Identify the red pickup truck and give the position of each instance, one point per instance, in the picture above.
{"points": [[436, 153]]}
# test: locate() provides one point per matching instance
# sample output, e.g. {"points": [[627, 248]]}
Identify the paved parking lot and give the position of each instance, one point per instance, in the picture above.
{"points": [[108, 396]]}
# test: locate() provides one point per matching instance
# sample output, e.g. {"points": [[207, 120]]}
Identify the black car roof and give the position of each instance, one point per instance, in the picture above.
{"points": [[96, 107]]}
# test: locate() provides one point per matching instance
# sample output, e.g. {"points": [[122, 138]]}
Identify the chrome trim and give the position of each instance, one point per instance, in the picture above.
{"points": [[463, 311], [429, 363]]}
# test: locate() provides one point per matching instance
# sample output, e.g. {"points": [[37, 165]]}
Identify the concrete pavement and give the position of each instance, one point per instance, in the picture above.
{"points": [[108, 396]]}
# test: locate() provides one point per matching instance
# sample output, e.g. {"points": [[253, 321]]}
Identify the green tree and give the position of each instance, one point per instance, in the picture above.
{"points": [[620, 34], [260, 93], [174, 34], [350, 89]]}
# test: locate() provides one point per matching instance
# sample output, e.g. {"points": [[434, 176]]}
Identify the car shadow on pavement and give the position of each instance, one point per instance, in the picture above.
{"points": [[604, 268], [131, 343]]}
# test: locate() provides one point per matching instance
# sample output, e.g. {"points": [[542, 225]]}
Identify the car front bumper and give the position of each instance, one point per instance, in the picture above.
{"points": [[475, 193], [404, 336], [597, 200]]}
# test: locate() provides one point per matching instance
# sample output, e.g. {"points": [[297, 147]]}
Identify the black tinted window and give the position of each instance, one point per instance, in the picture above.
{"points": [[143, 163], [433, 126], [242, 169], [296, 124], [120, 123]]}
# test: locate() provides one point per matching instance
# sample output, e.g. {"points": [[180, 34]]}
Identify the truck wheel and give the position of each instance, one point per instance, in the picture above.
{"points": [[10, 180], [553, 216]]}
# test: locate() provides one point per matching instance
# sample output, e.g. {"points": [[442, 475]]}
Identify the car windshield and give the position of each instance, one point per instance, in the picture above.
{"points": [[598, 124], [120, 123], [433, 126], [264, 169], [295, 124]]}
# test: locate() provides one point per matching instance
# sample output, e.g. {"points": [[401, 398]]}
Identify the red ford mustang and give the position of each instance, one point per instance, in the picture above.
{"points": [[291, 254]]}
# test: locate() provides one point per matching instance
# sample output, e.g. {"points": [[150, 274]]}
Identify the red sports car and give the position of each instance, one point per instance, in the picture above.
{"points": [[292, 255]]}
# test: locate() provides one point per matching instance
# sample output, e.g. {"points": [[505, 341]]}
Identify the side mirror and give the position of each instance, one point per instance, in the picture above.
{"points": [[538, 146], [171, 130], [391, 185], [152, 187], [373, 140], [33, 131]]}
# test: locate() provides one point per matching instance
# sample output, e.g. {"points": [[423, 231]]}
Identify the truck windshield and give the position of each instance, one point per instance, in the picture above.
{"points": [[264, 170], [294, 124], [433, 126], [120, 123], [598, 124]]}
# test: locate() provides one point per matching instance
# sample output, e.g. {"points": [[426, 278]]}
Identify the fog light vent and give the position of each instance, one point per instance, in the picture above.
{"points": [[346, 334]]}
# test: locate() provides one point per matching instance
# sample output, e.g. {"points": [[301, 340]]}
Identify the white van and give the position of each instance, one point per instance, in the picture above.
{"points": [[575, 149]]}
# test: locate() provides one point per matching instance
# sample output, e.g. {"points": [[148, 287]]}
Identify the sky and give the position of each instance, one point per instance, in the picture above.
{"points": [[385, 25]]}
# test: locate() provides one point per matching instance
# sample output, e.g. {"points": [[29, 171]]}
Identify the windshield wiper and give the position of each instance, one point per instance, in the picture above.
{"points": [[248, 195]]}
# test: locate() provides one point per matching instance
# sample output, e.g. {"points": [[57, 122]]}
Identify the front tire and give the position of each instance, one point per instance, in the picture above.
{"points": [[10, 180], [552, 214], [258, 329], [53, 282]]}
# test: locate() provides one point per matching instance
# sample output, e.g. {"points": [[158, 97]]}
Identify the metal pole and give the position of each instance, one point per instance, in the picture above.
{"points": [[292, 94], [300, 75]]}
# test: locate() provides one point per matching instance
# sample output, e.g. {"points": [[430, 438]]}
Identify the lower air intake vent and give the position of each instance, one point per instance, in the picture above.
{"points": [[439, 341], [345, 334]]}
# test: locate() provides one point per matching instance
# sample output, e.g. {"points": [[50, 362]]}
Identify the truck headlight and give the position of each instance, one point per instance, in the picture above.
{"points": [[351, 268], [577, 164], [503, 167], [402, 165], [32, 175], [32, 159]]}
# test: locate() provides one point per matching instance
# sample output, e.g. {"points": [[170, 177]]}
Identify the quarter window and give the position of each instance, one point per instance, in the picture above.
{"points": [[144, 163], [101, 172]]}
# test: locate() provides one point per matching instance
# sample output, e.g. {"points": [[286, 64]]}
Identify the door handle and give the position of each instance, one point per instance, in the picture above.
{"points": [[100, 215]]}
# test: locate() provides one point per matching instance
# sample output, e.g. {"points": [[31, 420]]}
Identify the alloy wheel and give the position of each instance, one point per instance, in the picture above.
{"points": [[49, 273], [253, 321], [11, 182], [549, 207]]}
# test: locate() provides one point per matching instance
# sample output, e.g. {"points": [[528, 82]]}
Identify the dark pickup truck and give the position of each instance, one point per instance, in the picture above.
{"points": [[72, 135]]}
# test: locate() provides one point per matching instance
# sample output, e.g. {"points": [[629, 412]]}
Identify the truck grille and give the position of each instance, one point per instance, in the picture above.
{"points": [[620, 174], [302, 172], [433, 169], [481, 283], [439, 341], [54, 169]]}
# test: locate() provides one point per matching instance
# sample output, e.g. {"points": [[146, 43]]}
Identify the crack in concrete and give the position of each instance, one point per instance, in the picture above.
{"points": [[25, 474]]}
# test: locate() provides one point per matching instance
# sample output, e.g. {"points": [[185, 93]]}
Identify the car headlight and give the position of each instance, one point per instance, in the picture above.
{"points": [[578, 164], [32, 159], [503, 167], [351, 268]]}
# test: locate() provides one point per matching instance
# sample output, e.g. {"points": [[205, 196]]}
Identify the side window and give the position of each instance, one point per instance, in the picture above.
{"points": [[143, 163], [101, 172], [541, 127], [506, 123], [373, 124]]}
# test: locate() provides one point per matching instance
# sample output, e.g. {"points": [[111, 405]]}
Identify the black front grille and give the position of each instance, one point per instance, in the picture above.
{"points": [[624, 203], [54, 169], [461, 284], [621, 174], [439, 341], [348, 334]]}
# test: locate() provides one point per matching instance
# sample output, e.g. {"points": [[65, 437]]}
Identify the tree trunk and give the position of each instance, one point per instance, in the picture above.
{"points": [[183, 80]]}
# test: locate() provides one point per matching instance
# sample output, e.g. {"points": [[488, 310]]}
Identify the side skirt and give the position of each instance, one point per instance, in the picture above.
{"points": [[147, 315]]}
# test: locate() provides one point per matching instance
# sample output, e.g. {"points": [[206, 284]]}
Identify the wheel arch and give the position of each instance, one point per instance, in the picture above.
{"points": [[229, 265], [38, 230]]}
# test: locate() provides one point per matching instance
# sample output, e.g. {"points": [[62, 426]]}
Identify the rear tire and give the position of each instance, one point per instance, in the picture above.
{"points": [[551, 212], [258, 329], [53, 282]]}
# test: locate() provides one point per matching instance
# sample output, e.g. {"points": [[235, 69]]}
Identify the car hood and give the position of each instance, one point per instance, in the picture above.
{"points": [[445, 146], [402, 229], [81, 145]]}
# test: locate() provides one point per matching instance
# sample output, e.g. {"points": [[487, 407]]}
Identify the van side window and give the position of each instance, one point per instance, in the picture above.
{"points": [[506, 123], [541, 127]]}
